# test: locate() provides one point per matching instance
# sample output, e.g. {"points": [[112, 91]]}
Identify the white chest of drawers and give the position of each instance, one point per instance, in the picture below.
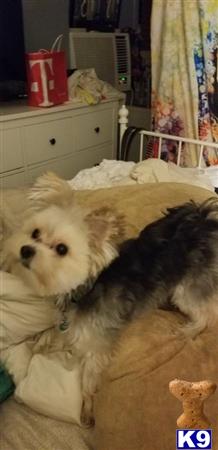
{"points": [[63, 139]]}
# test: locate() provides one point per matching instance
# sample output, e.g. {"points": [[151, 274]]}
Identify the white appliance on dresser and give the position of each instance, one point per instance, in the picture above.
{"points": [[108, 53], [63, 139]]}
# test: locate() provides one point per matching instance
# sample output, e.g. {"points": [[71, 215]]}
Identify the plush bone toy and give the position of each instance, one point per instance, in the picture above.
{"points": [[192, 396]]}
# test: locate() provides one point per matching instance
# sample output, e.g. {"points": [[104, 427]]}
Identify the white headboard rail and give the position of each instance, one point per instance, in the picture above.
{"points": [[123, 121]]}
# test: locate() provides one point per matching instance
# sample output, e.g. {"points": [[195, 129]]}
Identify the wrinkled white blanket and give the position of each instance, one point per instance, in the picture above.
{"points": [[111, 173], [50, 383]]}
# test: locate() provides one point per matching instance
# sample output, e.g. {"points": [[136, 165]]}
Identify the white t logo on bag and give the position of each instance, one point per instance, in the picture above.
{"points": [[45, 86]]}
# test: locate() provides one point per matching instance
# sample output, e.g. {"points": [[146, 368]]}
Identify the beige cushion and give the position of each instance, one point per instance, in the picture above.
{"points": [[134, 409], [141, 204]]}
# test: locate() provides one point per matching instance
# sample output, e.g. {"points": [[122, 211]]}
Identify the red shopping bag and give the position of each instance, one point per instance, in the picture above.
{"points": [[47, 76]]}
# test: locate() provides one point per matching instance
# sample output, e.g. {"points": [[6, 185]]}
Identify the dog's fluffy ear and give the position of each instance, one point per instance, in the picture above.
{"points": [[106, 233], [49, 188]]}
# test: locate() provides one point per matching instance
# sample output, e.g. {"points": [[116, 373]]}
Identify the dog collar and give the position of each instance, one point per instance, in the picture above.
{"points": [[65, 302], [64, 323]]}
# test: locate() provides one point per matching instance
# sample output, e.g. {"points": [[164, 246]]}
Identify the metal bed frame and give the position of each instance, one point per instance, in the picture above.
{"points": [[127, 134]]}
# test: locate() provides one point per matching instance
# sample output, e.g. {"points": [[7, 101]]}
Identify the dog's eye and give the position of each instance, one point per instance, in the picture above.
{"points": [[61, 249], [35, 234]]}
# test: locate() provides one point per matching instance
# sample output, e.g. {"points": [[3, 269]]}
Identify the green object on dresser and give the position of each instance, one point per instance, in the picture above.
{"points": [[6, 384]]}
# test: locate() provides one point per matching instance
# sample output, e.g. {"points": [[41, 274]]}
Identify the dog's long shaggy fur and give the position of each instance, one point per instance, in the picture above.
{"points": [[59, 245], [172, 264]]}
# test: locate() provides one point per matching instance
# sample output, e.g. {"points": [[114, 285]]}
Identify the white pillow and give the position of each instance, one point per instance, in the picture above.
{"points": [[52, 387], [48, 383], [22, 314]]}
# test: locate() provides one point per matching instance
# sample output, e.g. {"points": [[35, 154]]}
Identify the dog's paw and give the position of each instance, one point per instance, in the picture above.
{"points": [[87, 418]]}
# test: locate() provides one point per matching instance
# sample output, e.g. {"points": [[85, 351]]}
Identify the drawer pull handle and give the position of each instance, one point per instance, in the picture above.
{"points": [[97, 130], [52, 141]]}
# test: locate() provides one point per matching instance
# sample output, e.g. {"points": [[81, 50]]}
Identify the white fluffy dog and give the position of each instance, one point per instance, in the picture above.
{"points": [[58, 252], [59, 244]]}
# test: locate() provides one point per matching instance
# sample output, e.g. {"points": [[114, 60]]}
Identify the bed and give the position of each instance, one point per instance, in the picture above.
{"points": [[167, 146], [133, 409], [144, 157]]}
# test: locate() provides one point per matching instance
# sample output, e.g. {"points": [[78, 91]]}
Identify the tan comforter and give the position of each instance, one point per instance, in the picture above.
{"points": [[138, 407]]}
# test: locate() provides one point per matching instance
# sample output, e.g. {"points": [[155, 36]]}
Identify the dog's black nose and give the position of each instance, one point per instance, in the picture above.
{"points": [[27, 251]]}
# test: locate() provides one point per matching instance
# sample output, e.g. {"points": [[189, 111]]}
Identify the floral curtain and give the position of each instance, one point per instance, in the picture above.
{"points": [[184, 46]]}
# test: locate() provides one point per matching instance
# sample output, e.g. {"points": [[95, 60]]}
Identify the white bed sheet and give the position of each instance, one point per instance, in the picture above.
{"points": [[112, 172]]}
